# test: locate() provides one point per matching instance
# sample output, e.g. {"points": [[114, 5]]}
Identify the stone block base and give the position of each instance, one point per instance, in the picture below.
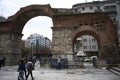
{"points": [[12, 59], [71, 63], [64, 56]]}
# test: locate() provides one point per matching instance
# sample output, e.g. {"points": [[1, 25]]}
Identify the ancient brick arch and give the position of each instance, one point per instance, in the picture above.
{"points": [[26, 13], [66, 28], [87, 30], [11, 30], [105, 35]]}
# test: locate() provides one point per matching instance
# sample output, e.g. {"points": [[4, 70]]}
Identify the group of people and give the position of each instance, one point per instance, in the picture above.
{"points": [[25, 69], [2, 62]]}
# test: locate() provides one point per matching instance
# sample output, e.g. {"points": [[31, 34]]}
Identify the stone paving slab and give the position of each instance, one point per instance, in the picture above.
{"points": [[117, 68], [10, 73]]}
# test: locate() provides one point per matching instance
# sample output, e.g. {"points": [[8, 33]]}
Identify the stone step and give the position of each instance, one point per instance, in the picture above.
{"points": [[115, 71]]}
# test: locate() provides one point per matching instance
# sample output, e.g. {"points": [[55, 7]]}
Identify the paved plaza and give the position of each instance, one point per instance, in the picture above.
{"points": [[89, 73]]}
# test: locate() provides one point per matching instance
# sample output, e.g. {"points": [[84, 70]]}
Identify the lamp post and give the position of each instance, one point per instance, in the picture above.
{"points": [[80, 44], [90, 44], [32, 49]]}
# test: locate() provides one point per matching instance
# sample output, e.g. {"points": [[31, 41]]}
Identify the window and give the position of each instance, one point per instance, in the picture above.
{"points": [[96, 22], [84, 40], [94, 47], [85, 47], [85, 23], [91, 8], [76, 9], [80, 24], [114, 19], [83, 8], [93, 40], [91, 24], [98, 7]]}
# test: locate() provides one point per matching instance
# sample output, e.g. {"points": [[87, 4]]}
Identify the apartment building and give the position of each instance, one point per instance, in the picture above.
{"points": [[38, 43]]}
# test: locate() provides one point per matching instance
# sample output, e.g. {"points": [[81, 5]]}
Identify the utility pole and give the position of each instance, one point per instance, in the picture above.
{"points": [[37, 45], [32, 49], [90, 44]]}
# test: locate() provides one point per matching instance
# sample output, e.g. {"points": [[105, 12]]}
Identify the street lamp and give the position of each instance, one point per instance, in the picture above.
{"points": [[79, 44], [90, 44], [32, 49]]}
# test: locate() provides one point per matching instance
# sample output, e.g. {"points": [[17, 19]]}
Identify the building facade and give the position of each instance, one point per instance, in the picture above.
{"points": [[2, 19], [38, 43], [88, 44], [47, 43]]}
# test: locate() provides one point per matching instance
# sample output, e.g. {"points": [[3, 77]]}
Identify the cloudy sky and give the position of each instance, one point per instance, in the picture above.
{"points": [[36, 24]]}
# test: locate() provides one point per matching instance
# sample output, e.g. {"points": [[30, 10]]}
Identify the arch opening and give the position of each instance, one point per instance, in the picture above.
{"points": [[38, 35], [25, 17], [28, 12], [87, 44], [40, 25]]}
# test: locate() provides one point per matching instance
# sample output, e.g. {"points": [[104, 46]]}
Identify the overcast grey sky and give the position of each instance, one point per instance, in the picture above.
{"points": [[36, 24]]}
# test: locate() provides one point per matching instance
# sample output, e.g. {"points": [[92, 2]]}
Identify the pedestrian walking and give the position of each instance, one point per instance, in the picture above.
{"points": [[59, 63], [42, 62], [0, 63], [109, 63], [34, 60], [3, 61], [21, 70], [30, 67]]}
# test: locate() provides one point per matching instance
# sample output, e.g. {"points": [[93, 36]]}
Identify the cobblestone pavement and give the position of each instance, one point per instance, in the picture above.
{"points": [[90, 73]]}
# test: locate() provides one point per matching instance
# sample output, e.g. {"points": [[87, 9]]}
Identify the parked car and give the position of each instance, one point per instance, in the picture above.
{"points": [[93, 57], [87, 60]]}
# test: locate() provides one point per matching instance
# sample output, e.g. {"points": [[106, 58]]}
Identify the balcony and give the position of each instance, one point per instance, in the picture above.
{"points": [[110, 10], [98, 10]]}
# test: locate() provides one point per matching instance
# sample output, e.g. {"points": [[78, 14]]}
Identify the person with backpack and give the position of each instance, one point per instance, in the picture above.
{"points": [[29, 67]]}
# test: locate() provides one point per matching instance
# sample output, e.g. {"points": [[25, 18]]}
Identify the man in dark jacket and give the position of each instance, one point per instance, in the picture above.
{"points": [[21, 70]]}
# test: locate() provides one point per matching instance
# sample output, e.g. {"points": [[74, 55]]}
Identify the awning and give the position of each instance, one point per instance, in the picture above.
{"points": [[81, 53]]}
